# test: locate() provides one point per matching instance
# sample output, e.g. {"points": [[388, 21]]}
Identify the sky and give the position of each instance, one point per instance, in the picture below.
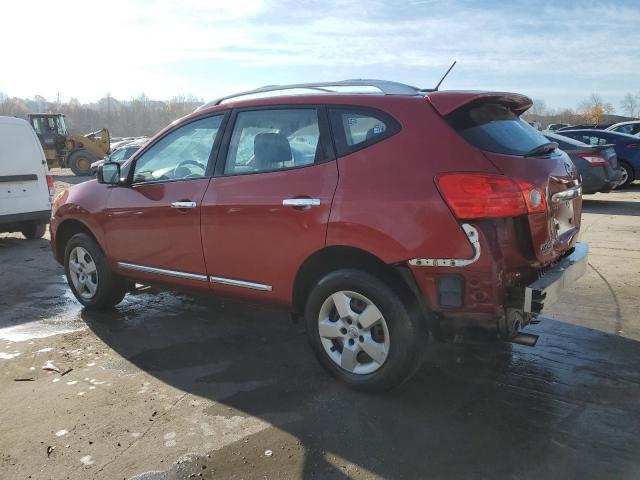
{"points": [[560, 52]]}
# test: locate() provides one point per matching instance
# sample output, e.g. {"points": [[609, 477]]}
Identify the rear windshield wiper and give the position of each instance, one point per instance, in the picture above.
{"points": [[542, 149]]}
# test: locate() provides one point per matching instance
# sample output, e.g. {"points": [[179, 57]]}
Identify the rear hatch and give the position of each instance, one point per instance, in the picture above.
{"points": [[544, 173]]}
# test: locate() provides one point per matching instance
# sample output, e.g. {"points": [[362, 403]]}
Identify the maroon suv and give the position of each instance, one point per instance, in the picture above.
{"points": [[376, 216]]}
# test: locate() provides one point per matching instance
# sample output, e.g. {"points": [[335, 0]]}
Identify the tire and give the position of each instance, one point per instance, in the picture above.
{"points": [[102, 289], [80, 162], [630, 176], [396, 340], [34, 231]]}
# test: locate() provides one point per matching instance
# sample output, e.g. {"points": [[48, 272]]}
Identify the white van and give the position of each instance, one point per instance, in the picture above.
{"points": [[26, 188]]}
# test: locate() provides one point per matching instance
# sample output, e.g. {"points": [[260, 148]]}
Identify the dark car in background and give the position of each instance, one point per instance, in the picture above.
{"points": [[557, 126], [630, 128], [627, 149], [583, 126], [120, 154], [596, 164]]}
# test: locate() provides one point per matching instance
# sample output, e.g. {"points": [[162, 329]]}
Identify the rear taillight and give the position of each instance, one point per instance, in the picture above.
{"points": [[52, 187], [594, 159], [489, 196], [633, 145]]}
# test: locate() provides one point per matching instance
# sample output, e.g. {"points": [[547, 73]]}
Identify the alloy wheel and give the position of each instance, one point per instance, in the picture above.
{"points": [[353, 332], [83, 273]]}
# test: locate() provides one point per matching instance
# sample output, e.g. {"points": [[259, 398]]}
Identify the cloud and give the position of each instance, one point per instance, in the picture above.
{"points": [[163, 45]]}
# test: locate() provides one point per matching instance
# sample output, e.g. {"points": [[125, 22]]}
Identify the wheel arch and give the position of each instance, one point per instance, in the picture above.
{"points": [[337, 257], [66, 230]]}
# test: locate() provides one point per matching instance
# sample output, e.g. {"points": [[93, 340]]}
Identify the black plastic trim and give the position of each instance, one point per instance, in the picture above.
{"points": [[18, 178], [43, 216]]}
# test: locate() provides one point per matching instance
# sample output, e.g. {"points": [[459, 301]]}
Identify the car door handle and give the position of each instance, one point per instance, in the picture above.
{"points": [[183, 205], [301, 202]]}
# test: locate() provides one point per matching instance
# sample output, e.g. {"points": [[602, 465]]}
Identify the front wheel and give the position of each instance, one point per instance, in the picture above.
{"points": [[89, 276], [362, 332]]}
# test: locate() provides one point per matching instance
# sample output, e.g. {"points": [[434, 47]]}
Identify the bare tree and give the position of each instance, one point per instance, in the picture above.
{"points": [[539, 108], [630, 105]]}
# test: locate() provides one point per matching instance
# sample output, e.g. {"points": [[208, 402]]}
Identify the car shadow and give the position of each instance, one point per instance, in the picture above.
{"points": [[610, 207], [566, 408]]}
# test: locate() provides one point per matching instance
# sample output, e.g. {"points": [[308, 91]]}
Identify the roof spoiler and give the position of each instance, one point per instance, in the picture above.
{"points": [[448, 102]]}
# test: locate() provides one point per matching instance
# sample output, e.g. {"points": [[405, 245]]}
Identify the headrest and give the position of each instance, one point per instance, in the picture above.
{"points": [[270, 149]]}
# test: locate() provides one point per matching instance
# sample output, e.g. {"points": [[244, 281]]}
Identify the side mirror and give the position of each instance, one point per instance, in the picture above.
{"points": [[109, 173]]}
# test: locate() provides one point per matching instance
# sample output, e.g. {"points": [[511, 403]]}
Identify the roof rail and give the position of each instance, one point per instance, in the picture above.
{"points": [[386, 88]]}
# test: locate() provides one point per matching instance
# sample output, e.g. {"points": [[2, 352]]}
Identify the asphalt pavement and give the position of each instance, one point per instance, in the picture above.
{"points": [[169, 386]]}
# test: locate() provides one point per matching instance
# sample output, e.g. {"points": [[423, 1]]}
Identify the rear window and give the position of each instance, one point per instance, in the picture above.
{"points": [[494, 128]]}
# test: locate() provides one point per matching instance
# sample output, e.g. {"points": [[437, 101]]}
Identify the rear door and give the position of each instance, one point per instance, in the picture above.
{"points": [[266, 210], [23, 170]]}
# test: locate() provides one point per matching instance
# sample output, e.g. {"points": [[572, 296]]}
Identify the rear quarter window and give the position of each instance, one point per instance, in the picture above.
{"points": [[356, 128], [492, 127]]}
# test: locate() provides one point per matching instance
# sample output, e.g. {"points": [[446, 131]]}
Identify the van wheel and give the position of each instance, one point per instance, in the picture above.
{"points": [[33, 231], [627, 175], [80, 162], [362, 332], [89, 276]]}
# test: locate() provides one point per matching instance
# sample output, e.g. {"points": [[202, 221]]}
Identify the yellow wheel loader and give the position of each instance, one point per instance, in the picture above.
{"points": [[76, 152]]}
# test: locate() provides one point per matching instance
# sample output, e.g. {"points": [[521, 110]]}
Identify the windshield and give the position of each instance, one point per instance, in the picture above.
{"points": [[494, 128]]}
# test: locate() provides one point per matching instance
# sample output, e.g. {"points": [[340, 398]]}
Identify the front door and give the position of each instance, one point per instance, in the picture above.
{"points": [[153, 225], [267, 208]]}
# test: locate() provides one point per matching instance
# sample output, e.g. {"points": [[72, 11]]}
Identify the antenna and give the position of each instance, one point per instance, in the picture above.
{"points": [[444, 76]]}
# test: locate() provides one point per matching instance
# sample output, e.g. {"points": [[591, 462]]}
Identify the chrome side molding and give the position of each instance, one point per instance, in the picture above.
{"points": [[241, 283], [196, 276], [162, 271], [472, 235]]}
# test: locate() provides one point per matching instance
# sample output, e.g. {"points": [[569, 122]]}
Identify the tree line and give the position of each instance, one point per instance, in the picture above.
{"points": [[143, 116], [139, 116], [591, 110]]}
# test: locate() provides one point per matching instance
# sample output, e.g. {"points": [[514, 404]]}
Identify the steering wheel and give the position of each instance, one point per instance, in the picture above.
{"points": [[188, 162]]}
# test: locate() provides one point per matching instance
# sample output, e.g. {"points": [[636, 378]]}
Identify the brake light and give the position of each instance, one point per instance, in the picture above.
{"points": [[594, 159], [472, 195], [52, 187]]}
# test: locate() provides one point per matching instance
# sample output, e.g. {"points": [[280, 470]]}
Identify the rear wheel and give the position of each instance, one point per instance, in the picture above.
{"points": [[80, 162], [33, 231], [627, 175], [362, 332], [89, 276]]}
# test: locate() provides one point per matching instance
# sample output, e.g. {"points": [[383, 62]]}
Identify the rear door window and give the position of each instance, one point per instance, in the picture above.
{"points": [[492, 127], [355, 128], [269, 140]]}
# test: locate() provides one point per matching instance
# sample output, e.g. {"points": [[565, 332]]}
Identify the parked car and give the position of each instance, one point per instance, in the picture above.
{"points": [[630, 128], [120, 154], [627, 149], [594, 126], [375, 217], [26, 188], [556, 126], [596, 164]]}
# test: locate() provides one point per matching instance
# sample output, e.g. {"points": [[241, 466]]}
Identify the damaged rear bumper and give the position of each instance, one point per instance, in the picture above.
{"points": [[548, 287]]}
